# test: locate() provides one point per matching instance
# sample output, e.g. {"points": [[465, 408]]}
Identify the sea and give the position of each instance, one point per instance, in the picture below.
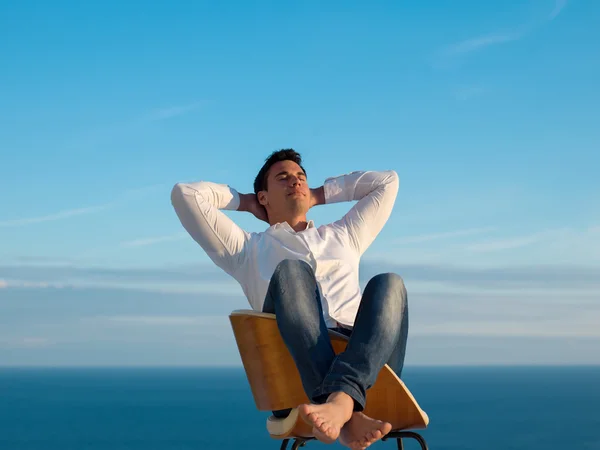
{"points": [[483, 408]]}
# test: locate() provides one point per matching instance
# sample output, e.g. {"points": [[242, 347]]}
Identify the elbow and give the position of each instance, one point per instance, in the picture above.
{"points": [[177, 193], [184, 194], [180, 194], [393, 180]]}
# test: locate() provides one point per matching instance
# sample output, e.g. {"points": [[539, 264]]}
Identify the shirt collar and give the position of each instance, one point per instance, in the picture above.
{"points": [[287, 227]]}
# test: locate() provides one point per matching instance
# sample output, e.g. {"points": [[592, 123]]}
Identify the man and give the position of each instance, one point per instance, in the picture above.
{"points": [[308, 277]]}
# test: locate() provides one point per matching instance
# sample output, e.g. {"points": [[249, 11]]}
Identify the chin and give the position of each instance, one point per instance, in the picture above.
{"points": [[300, 208]]}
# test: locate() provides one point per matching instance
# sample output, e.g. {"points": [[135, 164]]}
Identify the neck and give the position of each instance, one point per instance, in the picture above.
{"points": [[297, 223]]}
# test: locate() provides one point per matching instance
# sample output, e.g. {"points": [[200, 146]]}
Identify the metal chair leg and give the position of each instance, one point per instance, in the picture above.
{"points": [[399, 435], [298, 443]]}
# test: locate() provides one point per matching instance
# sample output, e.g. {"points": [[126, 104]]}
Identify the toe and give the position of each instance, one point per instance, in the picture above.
{"points": [[317, 420]]}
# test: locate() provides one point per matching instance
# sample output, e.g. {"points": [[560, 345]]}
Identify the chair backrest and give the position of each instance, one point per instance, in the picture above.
{"points": [[275, 381]]}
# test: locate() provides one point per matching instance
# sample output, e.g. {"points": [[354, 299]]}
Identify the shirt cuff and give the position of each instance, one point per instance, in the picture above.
{"points": [[234, 203], [338, 189]]}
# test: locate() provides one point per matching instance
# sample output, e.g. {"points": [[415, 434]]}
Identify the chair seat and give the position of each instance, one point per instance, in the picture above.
{"points": [[275, 382]]}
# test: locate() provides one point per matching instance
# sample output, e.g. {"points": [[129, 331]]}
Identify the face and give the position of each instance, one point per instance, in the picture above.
{"points": [[287, 190]]}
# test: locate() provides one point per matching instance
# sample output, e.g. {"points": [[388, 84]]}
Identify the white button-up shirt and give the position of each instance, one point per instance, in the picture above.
{"points": [[332, 250]]}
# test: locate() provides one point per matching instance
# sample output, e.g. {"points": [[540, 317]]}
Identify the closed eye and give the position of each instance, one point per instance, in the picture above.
{"points": [[283, 175]]}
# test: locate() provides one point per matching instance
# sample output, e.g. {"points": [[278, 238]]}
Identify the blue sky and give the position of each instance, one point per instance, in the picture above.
{"points": [[485, 109]]}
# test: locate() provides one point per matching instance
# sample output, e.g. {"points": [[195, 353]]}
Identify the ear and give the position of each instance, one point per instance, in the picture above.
{"points": [[263, 198]]}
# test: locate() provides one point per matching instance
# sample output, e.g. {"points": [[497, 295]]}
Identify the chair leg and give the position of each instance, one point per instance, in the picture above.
{"points": [[299, 443], [296, 444], [399, 435]]}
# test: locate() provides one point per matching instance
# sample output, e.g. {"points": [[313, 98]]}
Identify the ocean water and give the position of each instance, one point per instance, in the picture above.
{"points": [[483, 408]]}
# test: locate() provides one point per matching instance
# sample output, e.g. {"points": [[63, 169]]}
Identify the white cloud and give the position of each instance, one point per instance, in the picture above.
{"points": [[170, 112], [562, 246], [508, 243], [61, 215], [442, 235], [558, 7], [9, 283], [154, 240], [55, 216], [229, 287], [480, 42], [553, 237], [488, 328], [161, 320], [25, 342]]}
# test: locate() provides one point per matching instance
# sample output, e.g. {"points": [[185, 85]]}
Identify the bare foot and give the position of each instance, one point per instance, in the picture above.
{"points": [[361, 431], [328, 419]]}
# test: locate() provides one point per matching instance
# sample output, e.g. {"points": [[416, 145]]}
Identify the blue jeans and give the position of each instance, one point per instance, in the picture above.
{"points": [[378, 336]]}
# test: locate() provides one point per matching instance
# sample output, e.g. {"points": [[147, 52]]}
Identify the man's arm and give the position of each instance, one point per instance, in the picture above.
{"points": [[317, 196], [198, 207], [376, 193], [249, 203]]}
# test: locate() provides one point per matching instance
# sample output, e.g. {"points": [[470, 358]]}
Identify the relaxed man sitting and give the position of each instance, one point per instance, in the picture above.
{"points": [[308, 277]]}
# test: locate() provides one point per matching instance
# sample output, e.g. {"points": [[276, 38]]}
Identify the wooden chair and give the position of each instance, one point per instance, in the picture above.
{"points": [[275, 384]]}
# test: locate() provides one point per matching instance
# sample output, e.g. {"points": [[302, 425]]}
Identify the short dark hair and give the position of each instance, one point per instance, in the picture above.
{"points": [[285, 154]]}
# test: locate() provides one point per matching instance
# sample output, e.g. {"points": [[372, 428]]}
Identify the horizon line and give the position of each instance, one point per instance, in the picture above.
{"points": [[241, 367]]}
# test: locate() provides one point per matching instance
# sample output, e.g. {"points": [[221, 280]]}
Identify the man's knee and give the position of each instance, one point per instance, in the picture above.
{"points": [[289, 278], [393, 280], [291, 268], [293, 289], [394, 284]]}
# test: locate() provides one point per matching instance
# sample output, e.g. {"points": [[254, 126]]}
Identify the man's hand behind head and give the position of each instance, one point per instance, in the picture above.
{"points": [[249, 203], [317, 196]]}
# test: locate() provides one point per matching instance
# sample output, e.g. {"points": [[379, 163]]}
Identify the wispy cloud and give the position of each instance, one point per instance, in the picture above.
{"points": [[75, 212], [528, 278], [481, 42], [539, 328], [154, 240], [466, 92], [10, 283], [208, 278], [160, 320], [24, 342], [514, 242], [170, 112], [44, 260], [191, 279], [443, 235], [178, 274], [558, 7], [55, 216], [91, 325]]}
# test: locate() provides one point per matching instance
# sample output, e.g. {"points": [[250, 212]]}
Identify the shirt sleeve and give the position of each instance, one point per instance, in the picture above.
{"points": [[376, 194], [198, 206]]}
